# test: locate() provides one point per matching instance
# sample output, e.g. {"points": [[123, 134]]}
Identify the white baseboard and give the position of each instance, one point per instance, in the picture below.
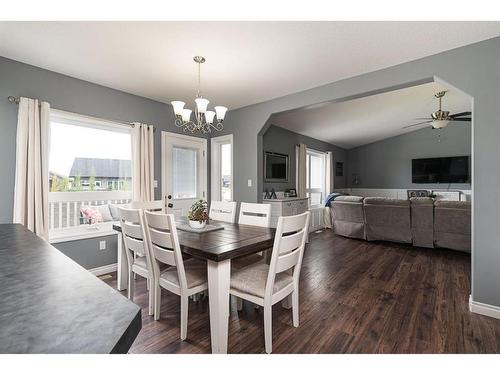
{"points": [[484, 309], [98, 271]]}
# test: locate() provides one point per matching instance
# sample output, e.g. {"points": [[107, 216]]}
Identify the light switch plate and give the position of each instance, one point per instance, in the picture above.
{"points": [[102, 245], [249, 182]]}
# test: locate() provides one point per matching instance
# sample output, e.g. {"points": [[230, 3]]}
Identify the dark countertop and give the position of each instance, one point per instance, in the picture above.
{"points": [[50, 304]]}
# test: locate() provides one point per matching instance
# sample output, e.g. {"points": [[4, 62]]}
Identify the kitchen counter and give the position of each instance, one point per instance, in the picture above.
{"points": [[50, 304]]}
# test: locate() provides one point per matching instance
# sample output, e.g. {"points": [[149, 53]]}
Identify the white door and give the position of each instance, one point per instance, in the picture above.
{"points": [[184, 171]]}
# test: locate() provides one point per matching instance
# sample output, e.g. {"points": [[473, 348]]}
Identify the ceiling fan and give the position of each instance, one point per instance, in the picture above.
{"points": [[440, 118]]}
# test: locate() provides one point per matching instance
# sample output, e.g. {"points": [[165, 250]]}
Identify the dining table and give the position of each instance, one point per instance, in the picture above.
{"points": [[217, 248]]}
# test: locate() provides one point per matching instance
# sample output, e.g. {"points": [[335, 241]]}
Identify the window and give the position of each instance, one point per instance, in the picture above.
{"points": [[184, 173], [89, 164], [315, 177], [222, 168]]}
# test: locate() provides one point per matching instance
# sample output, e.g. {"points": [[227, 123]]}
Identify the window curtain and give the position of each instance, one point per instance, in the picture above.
{"points": [[301, 157], [329, 187], [31, 185], [329, 175], [143, 162]]}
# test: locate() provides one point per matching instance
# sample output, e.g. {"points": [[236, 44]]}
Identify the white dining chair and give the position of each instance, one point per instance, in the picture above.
{"points": [[223, 211], [184, 278], [265, 284], [137, 251], [258, 214], [158, 205]]}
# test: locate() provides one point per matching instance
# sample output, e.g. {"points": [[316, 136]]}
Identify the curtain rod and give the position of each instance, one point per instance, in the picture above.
{"points": [[17, 99]]}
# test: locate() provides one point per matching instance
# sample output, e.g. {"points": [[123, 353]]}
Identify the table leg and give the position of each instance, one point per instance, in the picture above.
{"points": [[219, 274], [287, 302], [122, 265]]}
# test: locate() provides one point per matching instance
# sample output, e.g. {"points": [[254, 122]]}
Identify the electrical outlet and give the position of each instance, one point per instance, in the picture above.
{"points": [[102, 245], [249, 183], [155, 183]]}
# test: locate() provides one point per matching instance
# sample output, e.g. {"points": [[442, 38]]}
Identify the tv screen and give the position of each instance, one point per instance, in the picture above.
{"points": [[440, 170], [276, 167]]}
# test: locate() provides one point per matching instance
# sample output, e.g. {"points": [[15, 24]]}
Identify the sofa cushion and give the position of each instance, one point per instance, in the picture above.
{"points": [[349, 198], [422, 201], [453, 204], [348, 218], [422, 221], [387, 219], [386, 201]]}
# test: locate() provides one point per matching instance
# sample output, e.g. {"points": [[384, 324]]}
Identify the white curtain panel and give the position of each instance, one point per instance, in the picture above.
{"points": [[31, 187], [329, 174], [143, 162], [301, 156]]}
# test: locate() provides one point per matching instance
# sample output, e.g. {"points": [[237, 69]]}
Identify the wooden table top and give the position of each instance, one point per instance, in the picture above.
{"points": [[233, 241], [50, 304]]}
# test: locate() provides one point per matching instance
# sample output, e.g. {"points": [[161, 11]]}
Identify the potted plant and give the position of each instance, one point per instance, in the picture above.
{"points": [[198, 214]]}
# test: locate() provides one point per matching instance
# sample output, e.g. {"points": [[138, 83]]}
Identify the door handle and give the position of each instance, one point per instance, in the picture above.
{"points": [[170, 205]]}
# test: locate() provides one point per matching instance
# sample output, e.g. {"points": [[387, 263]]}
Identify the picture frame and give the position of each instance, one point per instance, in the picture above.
{"points": [[292, 193], [420, 193]]}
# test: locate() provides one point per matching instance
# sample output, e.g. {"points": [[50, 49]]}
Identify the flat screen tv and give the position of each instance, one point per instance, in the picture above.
{"points": [[440, 170], [275, 167]]}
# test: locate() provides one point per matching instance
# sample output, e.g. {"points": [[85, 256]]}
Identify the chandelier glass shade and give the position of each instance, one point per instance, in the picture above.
{"points": [[204, 120]]}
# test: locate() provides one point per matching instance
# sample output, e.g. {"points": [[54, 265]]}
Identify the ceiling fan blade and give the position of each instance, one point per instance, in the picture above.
{"points": [[460, 114], [419, 123], [468, 119], [423, 118]]}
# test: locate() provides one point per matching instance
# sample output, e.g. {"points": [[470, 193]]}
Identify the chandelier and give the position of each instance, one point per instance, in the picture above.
{"points": [[204, 120]]}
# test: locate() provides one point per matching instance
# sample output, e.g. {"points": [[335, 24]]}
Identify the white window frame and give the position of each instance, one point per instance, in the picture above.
{"points": [[84, 231], [322, 190], [215, 165]]}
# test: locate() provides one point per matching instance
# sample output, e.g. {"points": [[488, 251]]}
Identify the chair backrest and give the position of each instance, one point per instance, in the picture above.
{"points": [[258, 214], [223, 211], [158, 205], [134, 236], [288, 248], [164, 243]]}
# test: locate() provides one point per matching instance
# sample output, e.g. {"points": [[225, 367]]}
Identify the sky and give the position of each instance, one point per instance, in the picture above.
{"points": [[92, 143], [226, 159]]}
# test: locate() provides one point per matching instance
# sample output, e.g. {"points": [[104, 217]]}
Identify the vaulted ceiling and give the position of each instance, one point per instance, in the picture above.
{"points": [[365, 120]]}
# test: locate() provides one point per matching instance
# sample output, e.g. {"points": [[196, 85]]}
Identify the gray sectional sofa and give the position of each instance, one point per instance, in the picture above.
{"points": [[420, 221]]}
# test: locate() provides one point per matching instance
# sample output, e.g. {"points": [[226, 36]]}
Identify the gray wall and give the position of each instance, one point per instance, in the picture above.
{"points": [[73, 95], [283, 141], [473, 69], [86, 252], [387, 163]]}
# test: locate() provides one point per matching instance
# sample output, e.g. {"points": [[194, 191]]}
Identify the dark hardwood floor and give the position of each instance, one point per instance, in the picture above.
{"points": [[355, 297]]}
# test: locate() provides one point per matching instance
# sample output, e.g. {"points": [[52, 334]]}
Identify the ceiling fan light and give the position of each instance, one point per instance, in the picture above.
{"points": [[178, 107], [201, 104], [209, 116], [186, 115], [221, 112], [439, 124]]}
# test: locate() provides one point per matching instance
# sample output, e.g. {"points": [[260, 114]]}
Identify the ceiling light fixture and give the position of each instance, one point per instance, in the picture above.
{"points": [[205, 120]]}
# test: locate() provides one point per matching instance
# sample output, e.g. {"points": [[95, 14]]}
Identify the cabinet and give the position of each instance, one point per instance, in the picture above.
{"points": [[286, 207]]}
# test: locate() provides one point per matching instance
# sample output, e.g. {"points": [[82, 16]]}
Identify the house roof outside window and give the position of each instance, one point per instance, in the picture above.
{"points": [[111, 168]]}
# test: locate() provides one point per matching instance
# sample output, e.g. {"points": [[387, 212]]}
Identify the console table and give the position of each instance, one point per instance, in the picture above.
{"points": [[286, 207]]}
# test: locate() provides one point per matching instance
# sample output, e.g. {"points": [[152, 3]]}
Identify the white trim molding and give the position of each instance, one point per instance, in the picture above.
{"points": [[103, 270], [215, 165], [484, 309]]}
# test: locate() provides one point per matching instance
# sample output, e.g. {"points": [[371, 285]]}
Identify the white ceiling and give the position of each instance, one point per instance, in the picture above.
{"points": [[372, 118], [247, 62]]}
